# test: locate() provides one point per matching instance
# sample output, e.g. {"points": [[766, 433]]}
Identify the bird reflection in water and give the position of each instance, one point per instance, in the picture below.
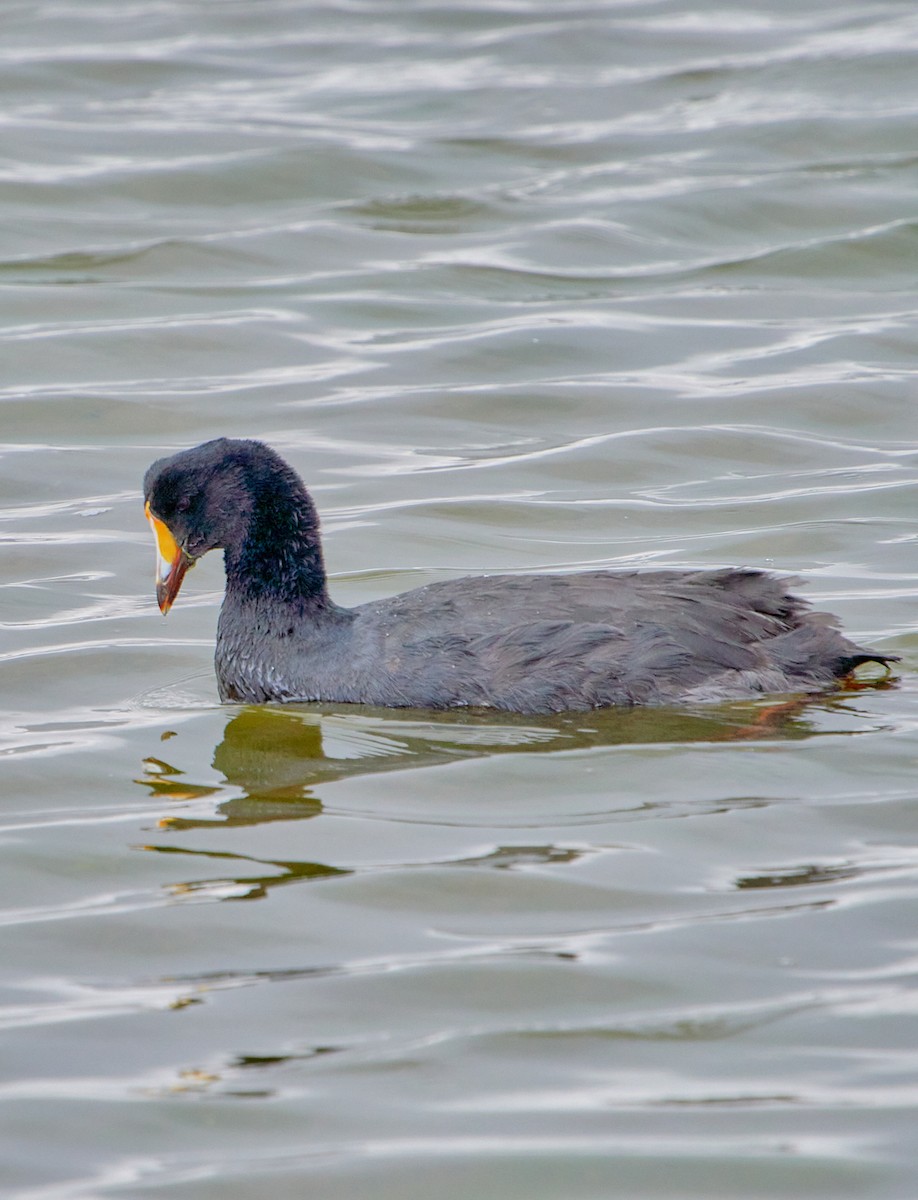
{"points": [[277, 758], [270, 755]]}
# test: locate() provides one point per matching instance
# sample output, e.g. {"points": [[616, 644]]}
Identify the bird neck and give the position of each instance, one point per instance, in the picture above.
{"points": [[279, 555]]}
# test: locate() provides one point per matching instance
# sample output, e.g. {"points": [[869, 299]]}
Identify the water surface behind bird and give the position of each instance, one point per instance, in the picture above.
{"points": [[515, 287]]}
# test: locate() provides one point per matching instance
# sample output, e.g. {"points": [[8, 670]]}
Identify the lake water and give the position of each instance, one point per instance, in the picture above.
{"points": [[515, 285]]}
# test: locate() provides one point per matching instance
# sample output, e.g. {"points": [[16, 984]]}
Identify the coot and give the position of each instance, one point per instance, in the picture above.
{"points": [[523, 643]]}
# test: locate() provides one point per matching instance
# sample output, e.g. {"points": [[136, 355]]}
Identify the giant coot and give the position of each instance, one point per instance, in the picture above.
{"points": [[524, 643]]}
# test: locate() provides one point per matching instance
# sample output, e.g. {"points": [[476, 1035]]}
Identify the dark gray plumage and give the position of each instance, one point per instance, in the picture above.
{"points": [[524, 643]]}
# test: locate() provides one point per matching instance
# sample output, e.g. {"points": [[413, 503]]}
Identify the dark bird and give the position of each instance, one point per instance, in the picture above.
{"points": [[523, 643]]}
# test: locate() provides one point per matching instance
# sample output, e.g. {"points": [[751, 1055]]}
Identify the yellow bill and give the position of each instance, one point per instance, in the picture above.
{"points": [[171, 562]]}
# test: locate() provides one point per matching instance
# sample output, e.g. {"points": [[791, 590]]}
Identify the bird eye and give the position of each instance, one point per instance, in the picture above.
{"points": [[183, 504]]}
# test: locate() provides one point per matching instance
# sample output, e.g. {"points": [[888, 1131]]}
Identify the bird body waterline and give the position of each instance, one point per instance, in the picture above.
{"points": [[523, 643]]}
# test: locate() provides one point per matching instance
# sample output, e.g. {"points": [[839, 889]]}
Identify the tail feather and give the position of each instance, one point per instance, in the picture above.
{"points": [[818, 649], [850, 662]]}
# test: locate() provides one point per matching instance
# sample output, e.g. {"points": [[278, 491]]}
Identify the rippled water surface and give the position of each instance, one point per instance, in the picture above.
{"points": [[515, 285]]}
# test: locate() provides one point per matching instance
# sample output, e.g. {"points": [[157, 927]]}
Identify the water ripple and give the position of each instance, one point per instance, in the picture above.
{"points": [[647, 266]]}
